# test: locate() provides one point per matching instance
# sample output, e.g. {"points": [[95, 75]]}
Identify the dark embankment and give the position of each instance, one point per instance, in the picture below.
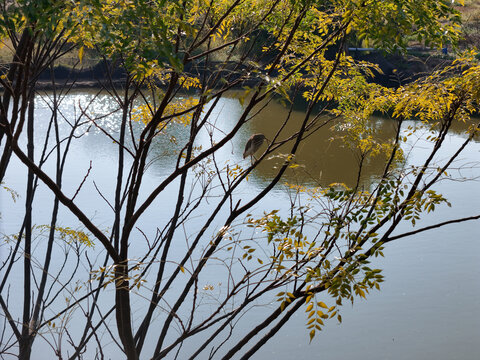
{"points": [[395, 70]]}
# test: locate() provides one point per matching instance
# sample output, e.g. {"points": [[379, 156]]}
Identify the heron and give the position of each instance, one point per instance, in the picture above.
{"points": [[253, 144]]}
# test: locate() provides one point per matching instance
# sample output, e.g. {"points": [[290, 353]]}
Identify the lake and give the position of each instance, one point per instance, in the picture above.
{"points": [[429, 305]]}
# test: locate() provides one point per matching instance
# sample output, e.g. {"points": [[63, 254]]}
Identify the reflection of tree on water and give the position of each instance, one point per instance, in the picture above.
{"points": [[324, 158]]}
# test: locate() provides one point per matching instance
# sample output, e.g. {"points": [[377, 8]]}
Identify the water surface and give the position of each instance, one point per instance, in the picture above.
{"points": [[428, 307]]}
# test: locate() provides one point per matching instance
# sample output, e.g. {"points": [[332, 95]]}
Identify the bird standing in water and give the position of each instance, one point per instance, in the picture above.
{"points": [[253, 144]]}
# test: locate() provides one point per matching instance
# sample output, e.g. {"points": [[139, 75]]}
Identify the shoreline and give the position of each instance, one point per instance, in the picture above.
{"points": [[396, 70]]}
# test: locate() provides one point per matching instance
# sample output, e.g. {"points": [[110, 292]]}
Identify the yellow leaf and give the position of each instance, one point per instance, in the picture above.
{"points": [[80, 54], [322, 304], [361, 293]]}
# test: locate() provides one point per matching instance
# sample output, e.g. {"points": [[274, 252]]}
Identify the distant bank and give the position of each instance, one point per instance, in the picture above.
{"points": [[396, 69]]}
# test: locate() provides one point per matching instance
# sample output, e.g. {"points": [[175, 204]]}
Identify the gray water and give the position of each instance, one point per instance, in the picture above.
{"points": [[429, 305]]}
